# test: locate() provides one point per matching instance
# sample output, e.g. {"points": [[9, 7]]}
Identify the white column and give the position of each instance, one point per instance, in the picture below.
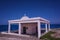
{"points": [[39, 29], [49, 27], [9, 27], [19, 31], [46, 27]]}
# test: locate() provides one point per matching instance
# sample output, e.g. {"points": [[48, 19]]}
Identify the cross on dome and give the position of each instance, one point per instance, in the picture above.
{"points": [[24, 17], [24, 14]]}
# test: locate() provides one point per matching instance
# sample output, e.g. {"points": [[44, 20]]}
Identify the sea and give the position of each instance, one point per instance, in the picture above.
{"points": [[15, 27]]}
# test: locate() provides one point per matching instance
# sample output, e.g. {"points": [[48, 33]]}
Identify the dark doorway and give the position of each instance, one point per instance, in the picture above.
{"points": [[24, 30], [36, 30]]}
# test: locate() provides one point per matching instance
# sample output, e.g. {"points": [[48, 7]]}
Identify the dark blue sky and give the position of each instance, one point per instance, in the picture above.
{"points": [[15, 9]]}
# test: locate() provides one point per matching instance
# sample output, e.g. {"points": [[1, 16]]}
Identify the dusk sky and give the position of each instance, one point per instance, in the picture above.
{"points": [[15, 9]]}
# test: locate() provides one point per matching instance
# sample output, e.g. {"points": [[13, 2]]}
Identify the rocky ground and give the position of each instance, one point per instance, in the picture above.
{"points": [[10, 37], [56, 34]]}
